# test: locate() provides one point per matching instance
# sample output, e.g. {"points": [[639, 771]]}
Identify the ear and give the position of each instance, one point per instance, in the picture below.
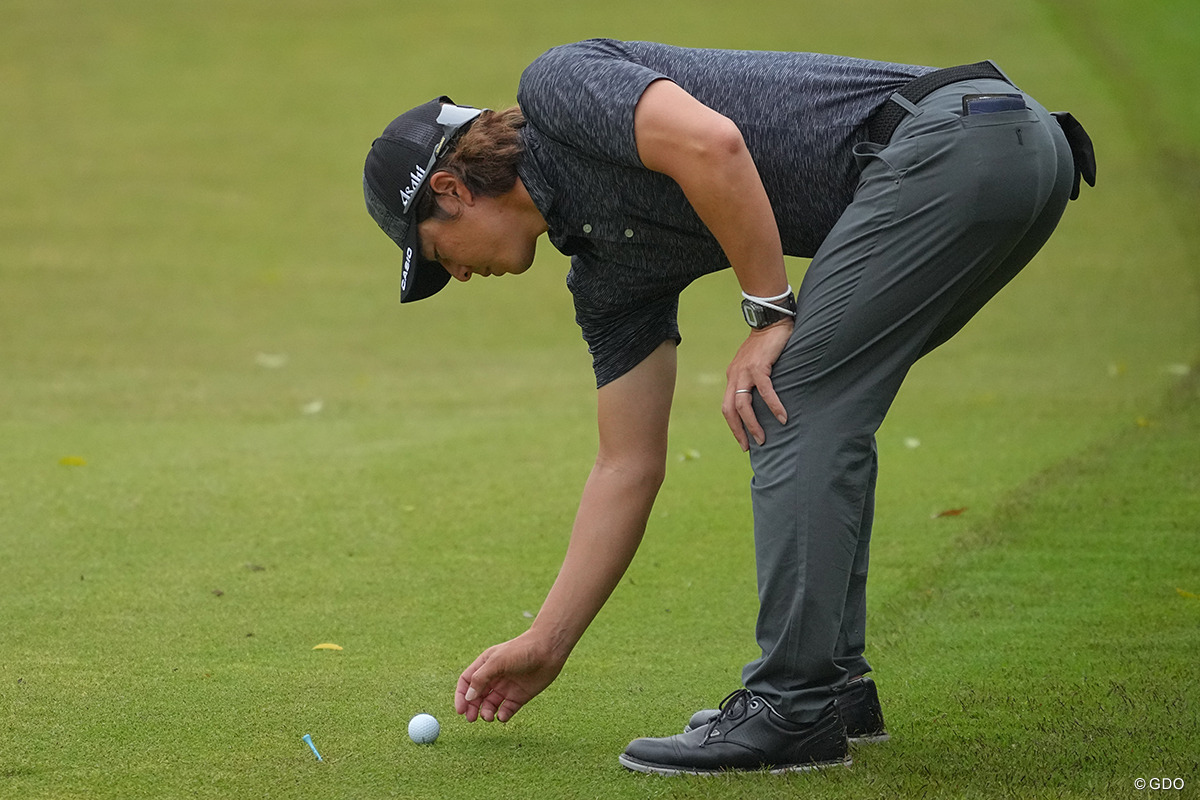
{"points": [[446, 184]]}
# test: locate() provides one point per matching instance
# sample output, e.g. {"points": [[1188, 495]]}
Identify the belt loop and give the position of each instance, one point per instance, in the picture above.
{"points": [[906, 104], [1004, 75]]}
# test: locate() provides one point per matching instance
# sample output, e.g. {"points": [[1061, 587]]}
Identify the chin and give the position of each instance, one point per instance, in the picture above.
{"points": [[526, 259], [519, 265]]}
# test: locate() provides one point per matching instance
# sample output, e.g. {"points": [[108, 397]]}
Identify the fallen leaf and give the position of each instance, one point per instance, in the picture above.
{"points": [[1188, 594], [72, 461], [950, 512], [328, 646]]}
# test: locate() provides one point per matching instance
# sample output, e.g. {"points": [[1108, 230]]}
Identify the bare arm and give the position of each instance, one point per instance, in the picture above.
{"points": [[632, 413], [630, 466], [704, 153]]}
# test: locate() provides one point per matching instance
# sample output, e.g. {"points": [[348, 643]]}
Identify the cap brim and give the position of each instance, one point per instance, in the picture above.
{"points": [[419, 277]]}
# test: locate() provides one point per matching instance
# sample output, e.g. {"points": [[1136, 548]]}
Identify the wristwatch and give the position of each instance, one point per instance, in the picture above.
{"points": [[760, 315]]}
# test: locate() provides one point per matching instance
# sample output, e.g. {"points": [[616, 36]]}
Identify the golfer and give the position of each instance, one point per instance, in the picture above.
{"points": [[917, 192]]}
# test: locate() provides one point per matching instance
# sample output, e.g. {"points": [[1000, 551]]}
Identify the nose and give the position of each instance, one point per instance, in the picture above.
{"points": [[457, 271]]}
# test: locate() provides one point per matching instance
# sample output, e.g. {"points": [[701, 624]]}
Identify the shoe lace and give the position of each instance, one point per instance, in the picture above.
{"points": [[733, 707]]}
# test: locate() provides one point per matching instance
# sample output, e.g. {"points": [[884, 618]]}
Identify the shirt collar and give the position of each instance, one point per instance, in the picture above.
{"points": [[536, 171]]}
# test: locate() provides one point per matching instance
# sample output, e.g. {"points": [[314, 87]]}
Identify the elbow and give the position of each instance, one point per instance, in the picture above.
{"points": [[722, 141], [711, 158]]}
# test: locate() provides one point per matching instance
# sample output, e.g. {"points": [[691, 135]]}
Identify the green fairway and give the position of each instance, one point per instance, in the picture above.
{"points": [[223, 442]]}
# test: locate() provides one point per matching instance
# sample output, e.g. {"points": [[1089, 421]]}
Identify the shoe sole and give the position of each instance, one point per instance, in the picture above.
{"points": [[660, 769], [870, 738]]}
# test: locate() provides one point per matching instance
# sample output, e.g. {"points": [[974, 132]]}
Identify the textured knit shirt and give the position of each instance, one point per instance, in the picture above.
{"points": [[634, 240]]}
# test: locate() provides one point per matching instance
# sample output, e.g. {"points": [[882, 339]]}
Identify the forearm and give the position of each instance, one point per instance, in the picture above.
{"points": [[608, 527], [633, 412]]}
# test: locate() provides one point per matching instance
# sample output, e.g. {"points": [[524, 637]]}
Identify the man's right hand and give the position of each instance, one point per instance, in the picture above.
{"points": [[632, 414], [506, 677]]}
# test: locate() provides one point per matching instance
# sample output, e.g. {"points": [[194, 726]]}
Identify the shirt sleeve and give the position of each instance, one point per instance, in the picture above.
{"points": [[583, 95], [619, 340]]}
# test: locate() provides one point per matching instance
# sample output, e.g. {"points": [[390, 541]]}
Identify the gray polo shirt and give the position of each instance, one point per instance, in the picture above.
{"points": [[634, 241]]}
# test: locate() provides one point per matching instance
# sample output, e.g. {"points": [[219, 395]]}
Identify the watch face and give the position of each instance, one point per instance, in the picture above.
{"points": [[758, 316], [752, 313]]}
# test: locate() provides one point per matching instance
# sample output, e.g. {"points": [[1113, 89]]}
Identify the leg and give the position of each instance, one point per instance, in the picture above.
{"points": [[852, 638], [933, 229], [986, 287]]}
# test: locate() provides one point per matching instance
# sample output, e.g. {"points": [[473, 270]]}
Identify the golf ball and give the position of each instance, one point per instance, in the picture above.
{"points": [[423, 729]]}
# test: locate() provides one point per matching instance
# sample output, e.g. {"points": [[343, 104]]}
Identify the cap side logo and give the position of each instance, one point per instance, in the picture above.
{"points": [[414, 182], [404, 271]]}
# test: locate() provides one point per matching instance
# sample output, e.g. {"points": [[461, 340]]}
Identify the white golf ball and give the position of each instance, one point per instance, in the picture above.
{"points": [[423, 729]]}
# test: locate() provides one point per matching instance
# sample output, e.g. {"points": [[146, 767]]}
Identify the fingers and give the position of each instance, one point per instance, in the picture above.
{"points": [[745, 409], [749, 371], [507, 709], [481, 694], [471, 686], [466, 703], [495, 707], [460, 694], [767, 390], [738, 410], [733, 417]]}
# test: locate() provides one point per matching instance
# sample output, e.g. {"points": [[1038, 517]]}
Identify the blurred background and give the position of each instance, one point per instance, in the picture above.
{"points": [[223, 441]]}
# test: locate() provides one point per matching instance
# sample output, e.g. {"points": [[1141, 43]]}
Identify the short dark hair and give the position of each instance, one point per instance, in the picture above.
{"points": [[484, 158]]}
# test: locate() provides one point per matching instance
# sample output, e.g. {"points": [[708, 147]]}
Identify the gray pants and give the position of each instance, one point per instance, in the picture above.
{"points": [[943, 217]]}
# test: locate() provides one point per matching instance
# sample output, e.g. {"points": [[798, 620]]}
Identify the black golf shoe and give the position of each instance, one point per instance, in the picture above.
{"points": [[746, 734], [859, 707]]}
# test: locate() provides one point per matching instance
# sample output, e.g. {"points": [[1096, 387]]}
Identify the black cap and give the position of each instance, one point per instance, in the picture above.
{"points": [[395, 176]]}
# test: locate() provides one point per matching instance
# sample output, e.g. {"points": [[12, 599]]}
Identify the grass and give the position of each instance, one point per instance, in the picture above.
{"points": [[1070, 618], [223, 443]]}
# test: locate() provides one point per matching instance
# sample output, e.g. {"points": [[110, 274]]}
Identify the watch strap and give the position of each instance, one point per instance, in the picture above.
{"points": [[759, 313]]}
